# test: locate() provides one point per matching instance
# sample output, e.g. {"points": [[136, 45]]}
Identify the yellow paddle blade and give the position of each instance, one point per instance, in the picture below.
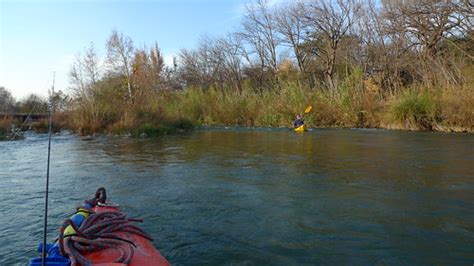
{"points": [[308, 109]]}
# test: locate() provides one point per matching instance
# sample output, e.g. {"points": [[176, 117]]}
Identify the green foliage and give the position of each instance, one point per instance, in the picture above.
{"points": [[350, 89], [413, 104], [156, 130]]}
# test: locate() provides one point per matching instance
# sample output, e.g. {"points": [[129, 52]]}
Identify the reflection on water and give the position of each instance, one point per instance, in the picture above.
{"points": [[258, 196]]}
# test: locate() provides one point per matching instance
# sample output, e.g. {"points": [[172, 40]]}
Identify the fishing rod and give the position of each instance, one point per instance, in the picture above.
{"points": [[43, 250]]}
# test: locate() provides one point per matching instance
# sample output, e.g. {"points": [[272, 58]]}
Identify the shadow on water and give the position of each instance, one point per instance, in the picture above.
{"points": [[259, 196]]}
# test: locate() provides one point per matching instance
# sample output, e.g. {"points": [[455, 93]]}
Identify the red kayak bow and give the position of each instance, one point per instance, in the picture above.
{"points": [[100, 234]]}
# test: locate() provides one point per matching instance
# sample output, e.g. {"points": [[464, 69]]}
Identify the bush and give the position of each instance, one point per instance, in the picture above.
{"points": [[414, 104], [5, 125], [416, 108]]}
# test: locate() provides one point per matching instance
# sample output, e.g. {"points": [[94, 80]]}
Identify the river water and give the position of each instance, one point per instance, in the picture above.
{"points": [[260, 196]]}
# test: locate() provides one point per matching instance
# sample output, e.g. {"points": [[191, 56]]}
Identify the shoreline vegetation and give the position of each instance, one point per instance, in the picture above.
{"points": [[165, 113], [405, 65]]}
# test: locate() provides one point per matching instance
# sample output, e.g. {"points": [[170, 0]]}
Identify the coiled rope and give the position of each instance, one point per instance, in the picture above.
{"points": [[98, 232]]}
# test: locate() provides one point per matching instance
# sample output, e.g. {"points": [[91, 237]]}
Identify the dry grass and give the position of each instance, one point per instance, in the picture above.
{"points": [[5, 125], [350, 106], [355, 103], [457, 109]]}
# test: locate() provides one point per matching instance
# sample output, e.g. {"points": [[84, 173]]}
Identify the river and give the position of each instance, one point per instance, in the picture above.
{"points": [[257, 196]]}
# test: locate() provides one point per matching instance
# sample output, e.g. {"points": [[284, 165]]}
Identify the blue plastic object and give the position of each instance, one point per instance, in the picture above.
{"points": [[53, 257], [77, 219], [51, 261]]}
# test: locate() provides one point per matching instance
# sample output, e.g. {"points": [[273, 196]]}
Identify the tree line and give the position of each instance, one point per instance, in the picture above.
{"points": [[32, 103], [316, 43]]}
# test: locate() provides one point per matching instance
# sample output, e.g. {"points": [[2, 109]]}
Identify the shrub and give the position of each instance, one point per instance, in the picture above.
{"points": [[414, 104], [416, 108]]}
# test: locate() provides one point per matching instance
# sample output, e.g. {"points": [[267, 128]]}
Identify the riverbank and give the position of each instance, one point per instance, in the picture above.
{"points": [[6, 125], [419, 109], [356, 102], [353, 105], [13, 129], [4, 128]]}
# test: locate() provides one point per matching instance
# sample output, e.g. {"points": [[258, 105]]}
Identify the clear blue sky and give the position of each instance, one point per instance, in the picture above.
{"points": [[39, 37]]}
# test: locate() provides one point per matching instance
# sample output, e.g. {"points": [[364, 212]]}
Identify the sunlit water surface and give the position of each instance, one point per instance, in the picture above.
{"points": [[240, 196]]}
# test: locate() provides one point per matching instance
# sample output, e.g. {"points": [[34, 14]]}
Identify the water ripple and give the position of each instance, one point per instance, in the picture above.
{"points": [[251, 197]]}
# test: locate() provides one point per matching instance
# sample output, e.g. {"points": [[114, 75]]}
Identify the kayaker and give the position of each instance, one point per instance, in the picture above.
{"points": [[298, 121]]}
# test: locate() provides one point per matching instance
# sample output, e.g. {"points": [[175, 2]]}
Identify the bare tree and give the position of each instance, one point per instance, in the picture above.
{"points": [[85, 72], [426, 22], [120, 53], [228, 50], [216, 62], [384, 53], [292, 27], [85, 75], [259, 31], [7, 102], [147, 69], [33, 103], [425, 25], [194, 67], [330, 21], [157, 65]]}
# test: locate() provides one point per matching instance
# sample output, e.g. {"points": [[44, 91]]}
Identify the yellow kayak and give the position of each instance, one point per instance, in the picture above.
{"points": [[301, 128]]}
